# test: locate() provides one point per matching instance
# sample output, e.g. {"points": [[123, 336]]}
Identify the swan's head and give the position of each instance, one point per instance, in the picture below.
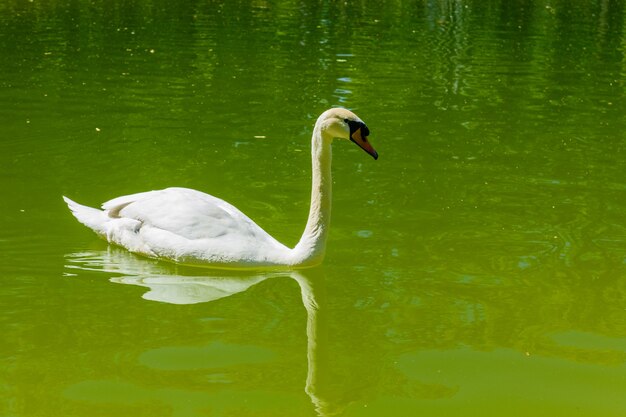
{"points": [[343, 124]]}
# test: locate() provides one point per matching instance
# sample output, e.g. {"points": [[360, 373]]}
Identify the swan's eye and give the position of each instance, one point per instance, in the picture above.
{"points": [[346, 120]]}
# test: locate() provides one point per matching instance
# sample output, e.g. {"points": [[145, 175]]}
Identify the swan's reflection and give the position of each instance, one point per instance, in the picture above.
{"points": [[172, 284]]}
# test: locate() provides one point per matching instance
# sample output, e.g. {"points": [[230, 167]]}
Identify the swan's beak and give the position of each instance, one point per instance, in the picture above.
{"points": [[358, 138]]}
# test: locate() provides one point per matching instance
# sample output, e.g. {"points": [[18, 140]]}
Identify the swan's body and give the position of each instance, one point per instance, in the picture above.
{"points": [[190, 227]]}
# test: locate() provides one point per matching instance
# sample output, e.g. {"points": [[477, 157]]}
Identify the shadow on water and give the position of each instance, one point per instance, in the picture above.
{"points": [[173, 284]]}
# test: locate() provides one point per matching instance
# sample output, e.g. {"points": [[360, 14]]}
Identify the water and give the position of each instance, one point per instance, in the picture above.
{"points": [[477, 268]]}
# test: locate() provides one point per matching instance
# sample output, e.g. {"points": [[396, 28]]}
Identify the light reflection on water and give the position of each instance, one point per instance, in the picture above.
{"points": [[186, 289]]}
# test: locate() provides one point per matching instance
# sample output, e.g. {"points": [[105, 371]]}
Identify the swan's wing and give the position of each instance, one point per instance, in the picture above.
{"points": [[186, 213]]}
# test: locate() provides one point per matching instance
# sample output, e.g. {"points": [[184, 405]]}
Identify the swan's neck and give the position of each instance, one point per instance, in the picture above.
{"points": [[310, 249]]}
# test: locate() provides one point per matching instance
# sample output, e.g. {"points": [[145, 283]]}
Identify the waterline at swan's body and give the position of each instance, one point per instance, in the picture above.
{"points": [[190, 227]]}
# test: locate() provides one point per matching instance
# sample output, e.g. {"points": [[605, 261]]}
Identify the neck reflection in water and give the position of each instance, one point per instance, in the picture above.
{"points": [[173, 285]]}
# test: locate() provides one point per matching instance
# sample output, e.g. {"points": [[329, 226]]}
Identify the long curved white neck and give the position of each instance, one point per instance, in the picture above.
{"points": [[310, 248]]}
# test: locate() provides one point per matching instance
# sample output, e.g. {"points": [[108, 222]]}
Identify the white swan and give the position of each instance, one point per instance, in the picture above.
{"points": [[190, 227]]}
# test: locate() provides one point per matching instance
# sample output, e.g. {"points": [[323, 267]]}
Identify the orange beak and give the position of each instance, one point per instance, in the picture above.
{"points": [[361, 140]]}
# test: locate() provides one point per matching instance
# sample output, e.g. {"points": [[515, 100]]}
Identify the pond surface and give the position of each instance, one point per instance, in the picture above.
{"points": [[478, 268]]}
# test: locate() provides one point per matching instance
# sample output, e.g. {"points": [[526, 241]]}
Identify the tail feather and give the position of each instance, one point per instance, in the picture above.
{"points": [[92, 218]]}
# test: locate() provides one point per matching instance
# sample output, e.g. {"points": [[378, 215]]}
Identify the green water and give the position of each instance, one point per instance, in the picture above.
{"points": [[478, 268]]}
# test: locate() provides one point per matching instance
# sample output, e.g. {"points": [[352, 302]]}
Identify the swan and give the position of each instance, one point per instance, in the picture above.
{"points": [[190, 227]]}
